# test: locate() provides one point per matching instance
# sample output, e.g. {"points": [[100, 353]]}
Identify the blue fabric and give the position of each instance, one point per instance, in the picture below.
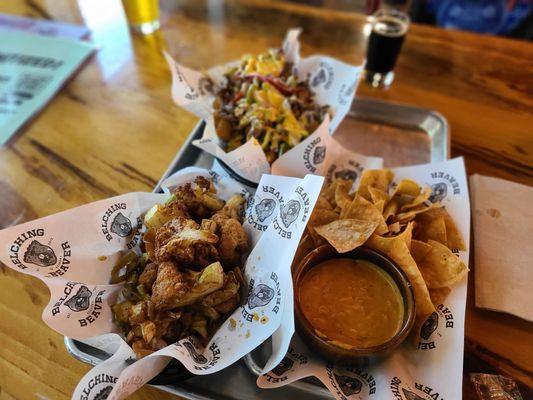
{"points": [[483, 16]]}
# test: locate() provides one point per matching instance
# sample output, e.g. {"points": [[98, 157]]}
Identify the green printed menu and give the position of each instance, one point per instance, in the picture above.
{"points": [[32, 69]]}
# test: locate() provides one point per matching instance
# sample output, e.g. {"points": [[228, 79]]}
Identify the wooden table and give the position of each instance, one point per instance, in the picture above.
{"points": [[114, 129]]}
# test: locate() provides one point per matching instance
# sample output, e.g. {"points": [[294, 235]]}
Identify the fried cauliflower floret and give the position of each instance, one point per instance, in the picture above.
{"points": [[169, 285], [147, 277], [176, 210], [227, 298], [138, 313], [201, 199], [173, 227], [233, 241], [182, 240], [234, 207], [209, 225]]}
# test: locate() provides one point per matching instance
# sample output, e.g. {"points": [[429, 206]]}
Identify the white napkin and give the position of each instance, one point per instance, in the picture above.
{"points": [[503, 231]]}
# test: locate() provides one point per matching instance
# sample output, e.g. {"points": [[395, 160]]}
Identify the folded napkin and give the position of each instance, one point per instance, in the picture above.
{"points": [[503, 244]]}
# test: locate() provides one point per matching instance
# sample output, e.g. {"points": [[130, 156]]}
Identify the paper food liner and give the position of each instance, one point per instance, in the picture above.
{"points": [[431, 368], [73, 253], [333, 82]]}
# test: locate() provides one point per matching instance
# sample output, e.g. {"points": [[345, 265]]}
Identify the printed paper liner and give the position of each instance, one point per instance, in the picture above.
{"points": [[431, 368], [73, 253]]}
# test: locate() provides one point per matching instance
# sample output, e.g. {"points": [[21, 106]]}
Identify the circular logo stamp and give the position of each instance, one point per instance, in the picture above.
{"points": [[34, 250], [351, 383], [442, 186], [82, 302], [323, 76], [435, 328], [117, 223]]}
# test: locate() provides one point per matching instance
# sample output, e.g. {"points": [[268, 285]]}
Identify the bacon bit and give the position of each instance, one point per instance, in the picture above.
{"points": [[238, 96]]}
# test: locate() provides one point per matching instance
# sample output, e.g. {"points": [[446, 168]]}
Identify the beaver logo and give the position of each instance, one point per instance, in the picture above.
{"points": [[319, 155], [261, 296], [104, 393], [430, 325], [197, 357], [319, 78], [121, 225], [205, 85], [80, 301], [265, 209], [411, 395], [40, 254], [289, 212], [346, 174], [284, 366], [438, 192], [348, 384]]}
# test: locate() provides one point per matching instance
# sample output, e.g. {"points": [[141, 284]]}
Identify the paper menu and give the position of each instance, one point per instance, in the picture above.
{"points": [[42, 27], [32, 69]]}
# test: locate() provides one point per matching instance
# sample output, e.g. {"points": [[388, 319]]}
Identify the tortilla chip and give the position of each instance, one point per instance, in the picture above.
{"points": [[420, 199], [395, 227], [346, 234], [387, 242], [318, 218], [407, 187], [431, 230], [419, 250], [378, 195], [440, 267], [323, 204], [380, 205], [433, 213], [377, 178], [454, 239], [322, 217], [391, 209], [328, 191], [398, 251], [363, 210], [453, 236], [439, 295], [342, 196], [411, 214]]}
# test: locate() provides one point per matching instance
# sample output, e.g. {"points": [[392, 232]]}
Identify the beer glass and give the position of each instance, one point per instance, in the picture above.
{"points": [[143, 15], [389, 28]]}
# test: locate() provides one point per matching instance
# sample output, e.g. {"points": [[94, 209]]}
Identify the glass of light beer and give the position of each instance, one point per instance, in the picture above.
{"points": [[389, 28], [143, 15]]}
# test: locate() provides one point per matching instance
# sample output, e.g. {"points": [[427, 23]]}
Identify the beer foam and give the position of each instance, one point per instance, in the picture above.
{"points": [[390, 26]]}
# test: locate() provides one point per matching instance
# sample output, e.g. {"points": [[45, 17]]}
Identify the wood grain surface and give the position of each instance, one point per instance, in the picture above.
{"points": [[114, 129]]}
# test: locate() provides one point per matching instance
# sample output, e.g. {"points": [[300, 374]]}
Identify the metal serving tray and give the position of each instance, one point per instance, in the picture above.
{"points": [[402, 135]]}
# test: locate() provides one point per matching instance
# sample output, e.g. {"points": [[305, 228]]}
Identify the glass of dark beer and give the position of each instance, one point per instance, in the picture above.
{"points": [[389, 28]]}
